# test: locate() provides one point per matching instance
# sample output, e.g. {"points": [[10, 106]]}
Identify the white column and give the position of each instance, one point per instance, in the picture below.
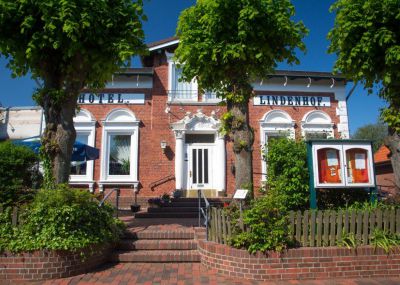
{"points": [[179, 159], [220, 163]]}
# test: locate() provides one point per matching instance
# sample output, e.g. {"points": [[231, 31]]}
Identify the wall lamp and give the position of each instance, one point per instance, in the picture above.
{"points": [[163, 146]]}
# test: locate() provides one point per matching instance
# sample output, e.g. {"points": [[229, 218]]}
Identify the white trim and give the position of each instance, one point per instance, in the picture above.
{"points": [[275, 123], [171, 43], [85, 124], [321, 124], [120, 122]]}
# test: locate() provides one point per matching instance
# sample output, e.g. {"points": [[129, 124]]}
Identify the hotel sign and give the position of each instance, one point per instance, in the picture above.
{"points": [[292, 101], [111, 98]]}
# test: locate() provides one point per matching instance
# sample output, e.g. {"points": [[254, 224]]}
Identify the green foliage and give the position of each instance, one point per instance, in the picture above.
{"points": [[61, 219], [366, 39], [385, 240], [267, 225], [223, 42], [287, 172], [335, 198], [89, 39], [349, 240], [18, 173], [374, 132]]}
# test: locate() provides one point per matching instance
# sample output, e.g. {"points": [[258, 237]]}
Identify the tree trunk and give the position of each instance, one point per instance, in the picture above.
{"points": [[393, 143], [59, 137], [243, 139]]}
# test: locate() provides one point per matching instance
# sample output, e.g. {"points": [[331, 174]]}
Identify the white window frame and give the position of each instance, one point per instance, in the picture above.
{"points": [[120, 122], [323, 124], [277, 123], [172, 88], [85, 124]]}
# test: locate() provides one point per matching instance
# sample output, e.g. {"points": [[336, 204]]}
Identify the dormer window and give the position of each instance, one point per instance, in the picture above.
{"points": [[181, 91]]}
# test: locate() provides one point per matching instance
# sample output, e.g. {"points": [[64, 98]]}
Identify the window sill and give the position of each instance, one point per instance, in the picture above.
{"points": [[133, 184]]}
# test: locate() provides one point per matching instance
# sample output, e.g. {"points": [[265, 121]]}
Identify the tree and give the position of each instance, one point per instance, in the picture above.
{"points": [[366, 39], [374, 132], [226, 45], [67, 45]]}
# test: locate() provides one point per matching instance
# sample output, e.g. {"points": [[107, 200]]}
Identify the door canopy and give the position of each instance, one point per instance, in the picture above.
{"points": [[198, 122]]}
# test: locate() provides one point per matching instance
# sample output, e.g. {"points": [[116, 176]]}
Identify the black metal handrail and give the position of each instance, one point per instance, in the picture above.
{"points": [[203, 212], [160, 181], [118, 193]]}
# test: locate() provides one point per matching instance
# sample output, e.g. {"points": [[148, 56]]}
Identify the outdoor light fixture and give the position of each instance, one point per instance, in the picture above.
{"points": [[163, 146]]}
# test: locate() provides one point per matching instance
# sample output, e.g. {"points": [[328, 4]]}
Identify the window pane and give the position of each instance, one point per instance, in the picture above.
{"points": [[194, 165], [200, 166], [79, 167], [199, 138], [120, 150], [329, 168], [316, 135], [357, 166], [205, 165]]}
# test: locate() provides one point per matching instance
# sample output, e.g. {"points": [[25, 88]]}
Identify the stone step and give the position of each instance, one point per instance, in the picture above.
{"points": [[161, 215], [188, 204], [187, 234], [162, 244], [173, 209], [156, 256]]}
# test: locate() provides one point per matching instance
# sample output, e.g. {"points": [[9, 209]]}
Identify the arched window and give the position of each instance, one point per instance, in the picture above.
{"points": [[120, 144], [82, 171], [317, 125], [275, 124]]}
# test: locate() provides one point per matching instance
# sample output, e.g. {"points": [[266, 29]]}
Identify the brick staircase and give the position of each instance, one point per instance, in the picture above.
{"points": [[164, 243], [178, 208], [166, 234]]}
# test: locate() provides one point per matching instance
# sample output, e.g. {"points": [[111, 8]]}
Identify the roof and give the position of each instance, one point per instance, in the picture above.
{"points": [[136, 71], [382, 154], [163, 43], [312, 74]]}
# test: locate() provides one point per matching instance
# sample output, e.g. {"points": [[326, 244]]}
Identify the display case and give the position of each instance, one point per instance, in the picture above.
{"points": [[342, 163]]}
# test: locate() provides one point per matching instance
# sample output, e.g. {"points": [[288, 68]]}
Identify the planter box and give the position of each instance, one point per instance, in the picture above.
{"points": [[48, 264]]}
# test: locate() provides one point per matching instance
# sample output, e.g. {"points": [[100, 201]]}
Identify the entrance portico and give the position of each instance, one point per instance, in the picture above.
{"points": [[200, 156]]}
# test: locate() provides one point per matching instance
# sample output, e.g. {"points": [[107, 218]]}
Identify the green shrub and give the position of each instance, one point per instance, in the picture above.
{"points": [[267, 225], [62, 219], [18, 173], [341, 198], [287, 172]]}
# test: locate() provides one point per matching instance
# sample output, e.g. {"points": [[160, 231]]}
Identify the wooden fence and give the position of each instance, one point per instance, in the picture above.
{"points": [[318, 228], [14, 215]]}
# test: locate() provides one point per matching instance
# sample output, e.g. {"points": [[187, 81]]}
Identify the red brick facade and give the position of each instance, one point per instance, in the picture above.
{"points": [[384, 171], [155, 126], [41, 265], [300, 264]]}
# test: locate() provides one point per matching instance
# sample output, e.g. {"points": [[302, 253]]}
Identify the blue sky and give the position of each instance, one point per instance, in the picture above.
{"points": [[162, 19]]}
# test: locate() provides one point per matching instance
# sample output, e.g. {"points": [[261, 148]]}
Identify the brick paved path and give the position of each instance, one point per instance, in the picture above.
{"points": [[183, 274]]}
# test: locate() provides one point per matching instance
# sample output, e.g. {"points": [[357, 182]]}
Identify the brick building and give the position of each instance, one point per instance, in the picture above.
{"points": [[156, 133], [384, 172]]}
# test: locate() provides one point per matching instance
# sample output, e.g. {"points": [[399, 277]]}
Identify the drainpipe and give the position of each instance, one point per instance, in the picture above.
{"points": [[351, 91]]}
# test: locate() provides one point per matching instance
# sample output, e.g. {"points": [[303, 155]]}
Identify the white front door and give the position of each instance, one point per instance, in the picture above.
{"points": [[200, 167]]}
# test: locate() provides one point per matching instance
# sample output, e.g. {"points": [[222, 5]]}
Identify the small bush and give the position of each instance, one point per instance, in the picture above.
{"points": [[267, 224], [18, 174], [61, 219]]}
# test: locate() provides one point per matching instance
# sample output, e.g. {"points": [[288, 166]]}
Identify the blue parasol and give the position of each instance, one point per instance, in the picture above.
{"points": [[81, 151]]}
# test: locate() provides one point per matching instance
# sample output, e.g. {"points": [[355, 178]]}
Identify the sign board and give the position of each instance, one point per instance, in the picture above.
{"points": [[340, 164], [292, 101], [111, 98], [240, 194]]}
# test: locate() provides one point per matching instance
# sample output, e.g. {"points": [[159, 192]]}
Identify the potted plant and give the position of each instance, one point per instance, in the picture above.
{"points": [[135, 207]]}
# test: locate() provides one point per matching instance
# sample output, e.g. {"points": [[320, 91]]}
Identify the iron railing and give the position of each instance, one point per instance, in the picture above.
{"points": [[118, 193], [204, 212]]}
